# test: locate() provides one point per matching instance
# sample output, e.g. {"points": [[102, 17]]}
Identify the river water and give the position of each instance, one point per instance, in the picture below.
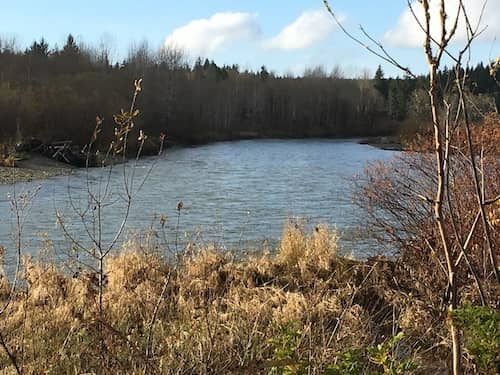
{"points": [[237, 195]]}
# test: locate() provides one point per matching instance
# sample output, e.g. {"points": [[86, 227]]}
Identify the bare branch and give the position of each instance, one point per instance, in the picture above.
{"points": [[382, 55]]}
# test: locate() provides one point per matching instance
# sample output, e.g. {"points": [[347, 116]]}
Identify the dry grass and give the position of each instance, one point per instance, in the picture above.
{"points": [[210, 313], [7, 158]]}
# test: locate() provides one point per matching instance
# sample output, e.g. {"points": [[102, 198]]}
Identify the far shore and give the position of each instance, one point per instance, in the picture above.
{"points": [[37, 167]]}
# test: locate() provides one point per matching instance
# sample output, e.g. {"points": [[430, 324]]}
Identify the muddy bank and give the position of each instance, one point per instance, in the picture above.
{"points": [[392, 143]]}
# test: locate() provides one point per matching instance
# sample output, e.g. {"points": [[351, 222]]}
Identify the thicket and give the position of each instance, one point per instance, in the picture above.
{"points": [[55, 94], [436, 206]]}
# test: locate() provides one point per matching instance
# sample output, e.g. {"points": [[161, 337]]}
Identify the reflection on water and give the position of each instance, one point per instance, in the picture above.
{"points": [[236, 194]]}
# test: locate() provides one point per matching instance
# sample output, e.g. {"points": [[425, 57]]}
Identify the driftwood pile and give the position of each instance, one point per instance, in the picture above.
{"points": [[62, 151]]}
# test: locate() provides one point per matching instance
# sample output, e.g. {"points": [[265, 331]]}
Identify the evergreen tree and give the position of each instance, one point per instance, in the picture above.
{"points": [[380, 83], [70, 48], [38, 49], [264, 74]]}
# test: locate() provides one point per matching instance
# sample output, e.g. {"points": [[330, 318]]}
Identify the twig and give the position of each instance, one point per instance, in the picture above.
{"points": [[12, 357]]}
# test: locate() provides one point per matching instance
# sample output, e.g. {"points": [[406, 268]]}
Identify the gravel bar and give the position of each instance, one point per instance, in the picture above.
{"points": [[14, 175]]}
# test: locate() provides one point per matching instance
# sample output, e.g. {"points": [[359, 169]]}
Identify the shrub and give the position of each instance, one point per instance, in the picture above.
{"points": [[481, 327]]}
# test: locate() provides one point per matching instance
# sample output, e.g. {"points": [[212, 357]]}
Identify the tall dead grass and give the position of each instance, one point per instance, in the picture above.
{"points": [[211, 313]]}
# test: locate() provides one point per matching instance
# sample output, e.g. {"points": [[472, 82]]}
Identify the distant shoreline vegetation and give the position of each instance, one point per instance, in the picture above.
{"points": [[55, 94]]}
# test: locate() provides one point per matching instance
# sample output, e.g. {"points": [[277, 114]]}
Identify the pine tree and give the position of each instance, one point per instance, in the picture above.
{"points": [[380, 83]]}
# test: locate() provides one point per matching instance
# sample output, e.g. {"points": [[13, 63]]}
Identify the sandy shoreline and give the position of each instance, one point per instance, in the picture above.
{"points": [[34, 168]]}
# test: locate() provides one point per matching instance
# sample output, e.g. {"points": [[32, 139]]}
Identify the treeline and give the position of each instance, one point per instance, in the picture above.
{"points": [[56, 93], [407, 99]]}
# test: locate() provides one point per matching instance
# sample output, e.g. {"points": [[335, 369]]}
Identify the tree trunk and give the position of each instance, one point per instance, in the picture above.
{"points": [[441, 164]]}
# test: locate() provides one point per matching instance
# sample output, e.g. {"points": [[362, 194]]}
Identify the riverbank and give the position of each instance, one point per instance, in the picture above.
{"points": [[34, 167], [304, 310], [390, 143]]}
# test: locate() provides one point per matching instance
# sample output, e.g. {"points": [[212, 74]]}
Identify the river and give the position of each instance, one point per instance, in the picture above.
{"points": [[237, 195]]}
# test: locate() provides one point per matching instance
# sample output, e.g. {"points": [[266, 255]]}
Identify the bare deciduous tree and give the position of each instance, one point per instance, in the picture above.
{"points": [[452, 247]]}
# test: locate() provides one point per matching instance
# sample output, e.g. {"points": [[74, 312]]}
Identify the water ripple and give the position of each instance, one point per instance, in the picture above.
{"points": [[235, 193]]}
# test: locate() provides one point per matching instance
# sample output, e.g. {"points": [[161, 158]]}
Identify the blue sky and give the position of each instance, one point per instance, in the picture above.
{"points": [[283, 35]]}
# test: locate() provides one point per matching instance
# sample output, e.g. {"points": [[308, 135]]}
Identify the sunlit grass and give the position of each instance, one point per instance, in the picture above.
{"points": [[204, 311]]}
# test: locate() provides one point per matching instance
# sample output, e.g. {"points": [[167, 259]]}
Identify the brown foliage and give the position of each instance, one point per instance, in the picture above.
{"points": [[398, 199], [485, 138], [216, 314]]}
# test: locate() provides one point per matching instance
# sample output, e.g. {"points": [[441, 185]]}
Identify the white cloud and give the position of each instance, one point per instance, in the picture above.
{"points": [[407, 32], [204, 36], [309, 28]]}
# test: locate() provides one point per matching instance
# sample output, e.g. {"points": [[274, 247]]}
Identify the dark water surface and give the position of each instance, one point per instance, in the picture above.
{"points": [[236, 194]]}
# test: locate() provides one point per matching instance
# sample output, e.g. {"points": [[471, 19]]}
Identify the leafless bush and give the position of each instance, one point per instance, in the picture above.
{"points": [[395, 196]]}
